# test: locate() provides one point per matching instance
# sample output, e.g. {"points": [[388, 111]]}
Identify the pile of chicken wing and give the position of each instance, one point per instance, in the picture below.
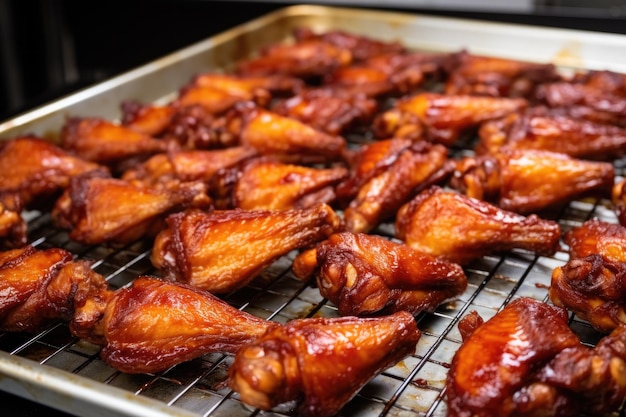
{"points": [[387, 171]]}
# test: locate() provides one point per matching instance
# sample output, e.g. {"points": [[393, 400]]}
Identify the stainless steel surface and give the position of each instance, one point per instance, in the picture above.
{"points": [[56, 369]]}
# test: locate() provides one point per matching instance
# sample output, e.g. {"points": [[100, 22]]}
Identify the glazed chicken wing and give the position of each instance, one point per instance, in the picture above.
{"points": [[41, 286], [320, 362], [567, 94], [153, 325], [147, 119], [393, 179], [224, 250], [460, 229], [367, 274], [107, 143], [194, 165], [527, 181], [13, 227], [597, 237], [100, 209], [526, 361], [442, 118], [249, 87], [43, 172], [271, 185], [618, 196], [556, 133], [594, 288]]}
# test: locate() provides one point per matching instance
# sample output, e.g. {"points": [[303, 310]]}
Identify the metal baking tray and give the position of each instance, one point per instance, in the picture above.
{"points": [[55, 369]]}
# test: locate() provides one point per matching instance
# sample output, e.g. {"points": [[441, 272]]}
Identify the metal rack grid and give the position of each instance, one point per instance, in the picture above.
{"points": [[413, 387]]}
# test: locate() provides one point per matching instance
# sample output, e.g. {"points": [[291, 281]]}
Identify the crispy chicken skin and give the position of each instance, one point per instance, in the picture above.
{"points": [[224, 250], [192, 165], [368, 274], [43, 172], [395, 171], [498, 77], [442, 118], [42, 286], [147, 119], [320, 362], [547, 131], [460, 229], [597, 237], [618, 196], [13, 227], [527, 181], [108, 143], [154, 324], [511, 366], [274, 85], [271, 185], [569, 94], [100, 209], [594, 288]]}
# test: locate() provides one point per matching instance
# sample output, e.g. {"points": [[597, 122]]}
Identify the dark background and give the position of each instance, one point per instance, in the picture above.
{"points": [[50, 48]]}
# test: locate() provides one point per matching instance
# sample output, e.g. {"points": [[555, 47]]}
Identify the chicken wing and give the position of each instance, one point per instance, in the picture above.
{"points": [[320, 362], [367, 274], [13, 227], [224, 250], [249, 87], [442, 118], [147, 119], [459, 228], [107, 143], [575, 137], [194, 165], [618, 196], [153, 325], [42, 286], [270, 185], [526, 361], [100, 209], [393, 180], [593, 287], [527, 181], [597, 237], [43, 172]]}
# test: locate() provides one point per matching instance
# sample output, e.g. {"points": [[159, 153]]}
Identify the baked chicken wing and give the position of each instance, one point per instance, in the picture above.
{"points": [[526, 361], [597, 237], [224, 250], [100, 209], [618, 196], [153, 325], [460, 229], [368, 274], [320, 362], [13, 227], [442, 118], [527, 181]]}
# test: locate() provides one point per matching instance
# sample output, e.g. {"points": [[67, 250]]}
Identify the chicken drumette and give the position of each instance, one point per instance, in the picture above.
{"points": [[320, 362], [224, 250], [460, 229], [526, 361], [367, 274]]}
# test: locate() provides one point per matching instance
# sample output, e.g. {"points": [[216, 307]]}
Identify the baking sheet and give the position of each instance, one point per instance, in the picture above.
{"points": [[56, 369]]}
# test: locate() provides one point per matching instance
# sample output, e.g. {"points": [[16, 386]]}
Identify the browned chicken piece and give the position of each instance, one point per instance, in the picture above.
{"points": [[569, 94], [282, 137], [362, 47], [147, 119], [460, 229], [526, 361], [333, 111], [321, 363], [576, 137], [498, 77], [270, 185], [108, 143], [153, 325], [249, 87], [593, 288], [602, 80], [307, 58], [193, 127], [618, 196], [13, 227], [99, 209], [193, 165], [224, 250], [369, 275], [216, 100], [42, 286], [442, 118], [391, 173], [529, 181], [597, 237], [43, 172]]}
